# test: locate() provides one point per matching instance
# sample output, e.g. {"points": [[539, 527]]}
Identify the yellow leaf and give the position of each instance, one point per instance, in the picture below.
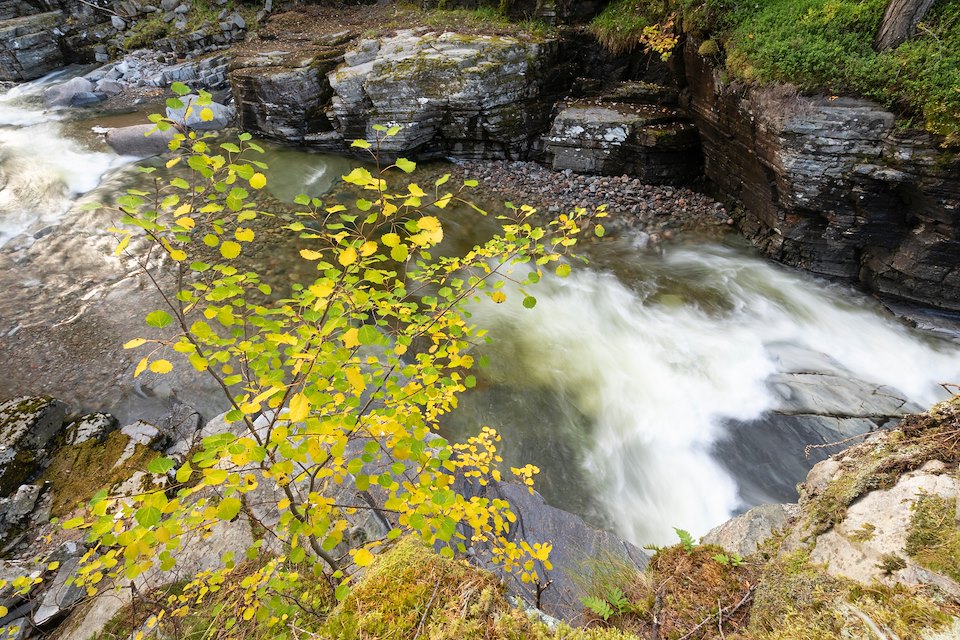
{"points": [[498, 297], [368, 248], [416, 191], [351, 338], [347, 257], [133, 344], [186, 221], [390, 239], [363, 558], [355, 378], [428, 223], [161, 366], [173, 161], [206, 114], [182, 210], [229, 249], [307, 254], [258, 181], [244, 235], [299, 408], [141, 367], [178, 254]]}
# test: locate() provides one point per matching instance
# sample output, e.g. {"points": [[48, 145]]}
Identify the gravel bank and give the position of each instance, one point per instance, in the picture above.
{"points": [[657, 210]]}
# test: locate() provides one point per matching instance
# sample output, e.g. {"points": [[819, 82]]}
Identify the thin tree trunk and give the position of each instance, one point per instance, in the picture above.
{"points": [[899, 21]]}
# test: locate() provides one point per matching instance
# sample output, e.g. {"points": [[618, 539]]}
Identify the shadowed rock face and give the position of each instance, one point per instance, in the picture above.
{"points": [[832, 186], [28, 46], [475, 97]]}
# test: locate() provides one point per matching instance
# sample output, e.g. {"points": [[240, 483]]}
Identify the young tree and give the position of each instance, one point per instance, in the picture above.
{"points": [[336, 387]]}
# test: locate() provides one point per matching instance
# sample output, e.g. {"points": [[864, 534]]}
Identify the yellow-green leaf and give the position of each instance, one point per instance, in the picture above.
{"points": [[244, 235], [347, 257], [363, 558], [307, 254], [133, 344], [230, 249], [161, 366], [258, 181]]}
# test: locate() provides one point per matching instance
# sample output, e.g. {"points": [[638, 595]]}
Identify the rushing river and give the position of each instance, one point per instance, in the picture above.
{"points": [[620, 383]]}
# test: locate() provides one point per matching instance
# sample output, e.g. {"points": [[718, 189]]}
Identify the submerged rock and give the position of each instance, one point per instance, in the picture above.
{"points": [[190, 115]]}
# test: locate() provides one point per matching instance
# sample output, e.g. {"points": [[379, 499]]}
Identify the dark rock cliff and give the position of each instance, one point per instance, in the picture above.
{"points": [[832, 185]]}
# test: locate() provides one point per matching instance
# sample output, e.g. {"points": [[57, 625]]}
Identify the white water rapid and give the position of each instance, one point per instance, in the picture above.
{"points": [[656, 360], [41, 170]]}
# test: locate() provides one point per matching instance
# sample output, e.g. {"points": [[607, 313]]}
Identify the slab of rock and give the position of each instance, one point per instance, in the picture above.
{"points": [[94, 426], [27, 424], [832, 185], [60, 597], [29, 47], [745, 533], [139, 140], [470, 96], [182, 429], [654, 143]]}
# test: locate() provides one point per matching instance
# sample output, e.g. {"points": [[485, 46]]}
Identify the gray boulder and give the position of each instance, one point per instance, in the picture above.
{"points": [[189, 114], [745, 533], [73, 92], [27, 424], [137, 140]]}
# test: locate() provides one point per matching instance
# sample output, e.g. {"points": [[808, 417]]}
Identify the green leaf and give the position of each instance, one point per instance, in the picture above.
{"points": [[148, 516], [160, 465], [360, 144], [405, 165], [563, 270], [179, 88], [158, 319], [342, 591], [302, 199], [229, 508], [529, 302], [368, 334]]}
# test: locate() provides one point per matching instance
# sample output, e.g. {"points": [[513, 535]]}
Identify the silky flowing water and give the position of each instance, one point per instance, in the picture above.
{"points": [[619, 383]]}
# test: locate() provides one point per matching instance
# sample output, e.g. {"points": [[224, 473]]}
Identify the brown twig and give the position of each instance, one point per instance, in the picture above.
{"points": [[810, 447], [426, 611], [732, 610]]}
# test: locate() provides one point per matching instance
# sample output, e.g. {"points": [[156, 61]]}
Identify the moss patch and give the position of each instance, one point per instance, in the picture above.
{"points": [[796, 600], [934, 435], [77, 472], [818, 46], [933, 539]]}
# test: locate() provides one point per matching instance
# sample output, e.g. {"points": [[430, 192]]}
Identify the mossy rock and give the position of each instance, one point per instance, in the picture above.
{"points": [[77, 472]]}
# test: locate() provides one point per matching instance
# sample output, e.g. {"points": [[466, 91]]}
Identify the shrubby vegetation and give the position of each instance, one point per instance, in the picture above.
{"points": [[817, 45], [337, 384]]}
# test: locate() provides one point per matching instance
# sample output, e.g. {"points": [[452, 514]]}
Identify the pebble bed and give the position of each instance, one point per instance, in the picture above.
{"points": [[655, 209]]}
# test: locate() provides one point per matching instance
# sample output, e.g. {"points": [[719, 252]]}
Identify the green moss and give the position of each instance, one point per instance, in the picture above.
{"points": [[920, 438], [796, 600], [411, 591], [826, 45], [818, 46], [933, 538], [77, 472], [619, 27], [146, 32]]}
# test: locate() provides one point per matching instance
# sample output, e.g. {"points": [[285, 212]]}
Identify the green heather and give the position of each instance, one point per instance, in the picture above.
{"points": [[819, 46]]}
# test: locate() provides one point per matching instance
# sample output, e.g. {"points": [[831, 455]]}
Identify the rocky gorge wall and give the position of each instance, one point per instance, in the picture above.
{"points": [[833, 185]]}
